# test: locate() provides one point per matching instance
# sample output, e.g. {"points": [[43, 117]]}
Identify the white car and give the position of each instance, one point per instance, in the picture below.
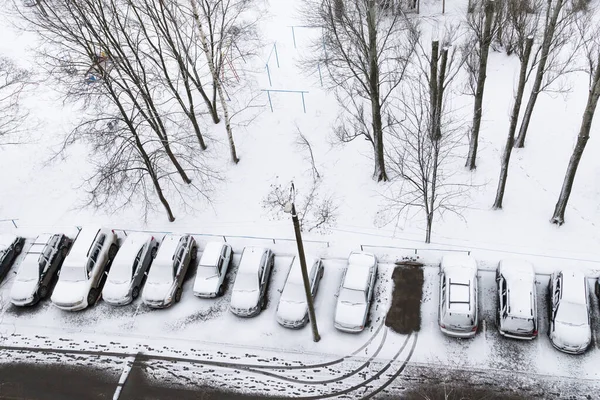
{"points": [[355, 292], [458, 316], [38, 269], [165, 279], [292, 311], [212, 269], [248, 296], [129, 269], [517, 301], [83, 271], [569, 329]]}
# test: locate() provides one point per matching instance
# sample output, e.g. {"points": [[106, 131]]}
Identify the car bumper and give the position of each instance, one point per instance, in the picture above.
{"points": [[24, 302], [349, 329], [245, 313], [569, 350], [157, 304], [118, 302], [517, 336], [292, 324], [205, 295], [458, 334], [71, 306]]}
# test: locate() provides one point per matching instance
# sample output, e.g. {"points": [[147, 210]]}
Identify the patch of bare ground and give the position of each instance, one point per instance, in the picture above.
{"points": [[404, 315]]}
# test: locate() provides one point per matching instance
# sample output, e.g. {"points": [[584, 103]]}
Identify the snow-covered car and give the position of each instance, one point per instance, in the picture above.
{"points": [[84, 270], [292, 310], [10, 247], [517, 302], [165, 278], [355, 292], [212, 268], [248, 296], [38, 269], [458, 315], [129, 268], [569, 329]]}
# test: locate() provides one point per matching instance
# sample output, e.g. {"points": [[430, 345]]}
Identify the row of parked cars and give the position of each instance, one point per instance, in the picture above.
{"points": [[517, 315], [95, 264]]}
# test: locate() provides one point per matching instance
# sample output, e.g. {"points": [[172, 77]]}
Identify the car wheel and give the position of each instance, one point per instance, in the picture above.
{"points": [[42, 292], [153, 252], [263, 303], [598, 289], [92, 297], [178, 295], [321, 273], [64, 251], [112, 252], [221, 291], [18, 248], [135, 292], [194, 253]]}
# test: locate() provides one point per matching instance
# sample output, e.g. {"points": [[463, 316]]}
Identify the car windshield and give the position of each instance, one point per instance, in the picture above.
{"points": [[571, 314], [206, 271], [293, 293], [352, 297], [161, 274], [246, 283], [73, 274], [28, 271], [120, 273]]}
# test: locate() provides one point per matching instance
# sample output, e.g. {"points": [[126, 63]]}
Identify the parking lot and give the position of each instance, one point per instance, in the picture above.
{"points": [[198, 342]]}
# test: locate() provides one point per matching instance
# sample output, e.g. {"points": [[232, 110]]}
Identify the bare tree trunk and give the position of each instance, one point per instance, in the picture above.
{"points": [[433, 87], [484, 48], [215, 77], [440, 94], [514, 117], [379, 173], [584, 134], [429, 226], [539, 75]]}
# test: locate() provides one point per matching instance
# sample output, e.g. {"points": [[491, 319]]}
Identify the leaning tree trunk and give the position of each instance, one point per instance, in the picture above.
{"points": [[216, 81], [549, 31], [584, 134], [379, 173], [514, 117], [484, 46]]}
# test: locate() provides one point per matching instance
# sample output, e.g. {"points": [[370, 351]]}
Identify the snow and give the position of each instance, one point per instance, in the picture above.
{"points": [[166, 251], [6, 241], [79, 251], [363, 259], [458, 264], [295, 275], [573, 289], [211, 254], [520, 298], [129, 249], [251, 259]]}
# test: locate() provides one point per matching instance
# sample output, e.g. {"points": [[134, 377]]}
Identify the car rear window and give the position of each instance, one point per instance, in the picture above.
{"points": [[516, 324]]}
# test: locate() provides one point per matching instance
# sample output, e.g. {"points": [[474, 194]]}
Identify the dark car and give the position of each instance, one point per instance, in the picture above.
{"points": [[38, 269], [10, 247]]}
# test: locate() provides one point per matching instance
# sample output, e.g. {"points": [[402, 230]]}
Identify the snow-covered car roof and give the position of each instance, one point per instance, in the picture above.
{"points": [[6, 240], [574, 287], [520, 280], [83, 242], [295, 276], [130, 248], [515, 269], [251, 258], [211, 254], [458, 262], [357, 277], [167, 249], [361, 258]]}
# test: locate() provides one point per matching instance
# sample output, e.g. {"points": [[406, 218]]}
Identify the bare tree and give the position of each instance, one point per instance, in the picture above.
{"points": [[425, 144], [304, 145], [554, 58], [366, 52], [592, 47], [480, 25], [521, 24], [13, 82]]}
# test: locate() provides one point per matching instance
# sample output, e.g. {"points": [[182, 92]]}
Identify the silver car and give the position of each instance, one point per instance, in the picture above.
{"points": [[212, 269], [249, 292], [129, 268], [292, 311]]}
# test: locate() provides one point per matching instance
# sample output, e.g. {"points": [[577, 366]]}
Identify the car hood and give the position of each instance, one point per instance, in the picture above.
{"points": [[244, 300], [157, 291], [22, 290], [288, 311], [571, 336], [69, 292], [350, 315], [206, 285], [115, 290]]}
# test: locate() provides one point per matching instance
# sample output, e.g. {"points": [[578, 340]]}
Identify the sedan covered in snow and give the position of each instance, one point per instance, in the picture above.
{"points": [[84, 270], [292, 311], [248, 297], [569, 329], [355, 292], [212, 269], [38, 269], [129, 269], [165, 279], [10, 247]]}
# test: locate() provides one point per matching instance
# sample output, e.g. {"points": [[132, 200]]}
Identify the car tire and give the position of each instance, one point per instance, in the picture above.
{"points": [[92, 297], [263, 303], [135, 292], [221, 291], [42, 292], [18, 248], [112, 252], [194, 254], [64, 251], [598, 289], [153, 252], [178, 293]]}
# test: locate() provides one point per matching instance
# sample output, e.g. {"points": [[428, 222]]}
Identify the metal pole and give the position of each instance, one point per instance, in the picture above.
{"points": [[294, 36], [303, 104], [269, 74], [270, 104], [309, 299], [276, 55], [320, 76]]}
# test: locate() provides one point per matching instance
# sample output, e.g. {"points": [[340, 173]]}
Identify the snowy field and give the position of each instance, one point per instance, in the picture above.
{"points": [[199, 341]]}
